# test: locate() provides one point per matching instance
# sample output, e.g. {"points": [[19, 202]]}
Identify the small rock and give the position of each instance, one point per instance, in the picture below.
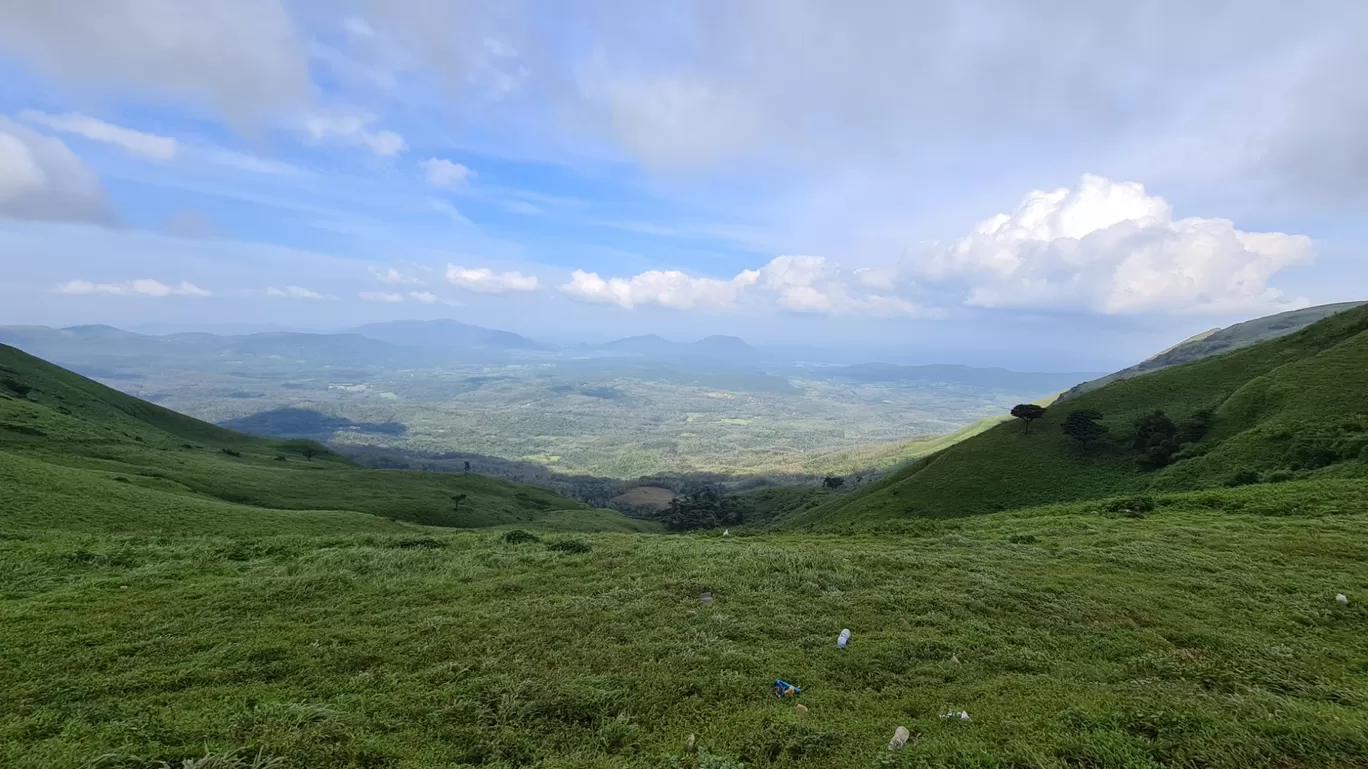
{"points": [[900, 737], [801, 708], [693, 613], [954, 659], [1342, 598], [904, 622], [707, 596], [962, 715], [690, 746], [726, 532]]}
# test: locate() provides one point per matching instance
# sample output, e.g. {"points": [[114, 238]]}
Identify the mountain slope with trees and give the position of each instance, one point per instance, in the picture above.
{"points": [[1291, 408]]}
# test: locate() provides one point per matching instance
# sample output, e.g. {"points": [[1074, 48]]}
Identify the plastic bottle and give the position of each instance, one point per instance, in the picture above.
{"points": [[844, 639]]}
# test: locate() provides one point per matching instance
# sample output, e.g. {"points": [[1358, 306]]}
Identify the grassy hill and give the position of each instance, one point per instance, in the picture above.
{"points": [[1219, 340], [1293, 407], [77, 454], [1205, 634]]}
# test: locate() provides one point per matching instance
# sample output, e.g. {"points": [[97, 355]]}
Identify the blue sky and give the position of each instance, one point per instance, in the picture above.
{"points": [[1069, 184]]}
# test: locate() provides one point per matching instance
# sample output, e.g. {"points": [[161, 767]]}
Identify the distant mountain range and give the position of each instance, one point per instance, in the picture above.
{"points": [[717, 347], [446, 334]]}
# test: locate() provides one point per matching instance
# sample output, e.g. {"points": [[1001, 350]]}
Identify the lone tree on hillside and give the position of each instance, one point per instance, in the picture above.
{"points": [[310, 452], [1028, 413], [1083, 427], [1155, 436], [833, 481]]}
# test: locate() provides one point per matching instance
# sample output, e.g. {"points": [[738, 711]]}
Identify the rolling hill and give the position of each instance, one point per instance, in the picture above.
{"points": [[1219, 340], [77, 454], [1295, 407]]}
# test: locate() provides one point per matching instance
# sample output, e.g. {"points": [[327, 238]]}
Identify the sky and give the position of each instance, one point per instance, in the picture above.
{"points": [[1051, 185]]}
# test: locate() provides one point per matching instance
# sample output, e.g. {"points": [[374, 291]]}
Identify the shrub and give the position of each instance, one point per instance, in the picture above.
{"points": [[1022, 539], [570, 546], [15, 386], [1280, 476], [1243, 478], [231, 453], [1132, 507], [519, 536], [280, 458]]}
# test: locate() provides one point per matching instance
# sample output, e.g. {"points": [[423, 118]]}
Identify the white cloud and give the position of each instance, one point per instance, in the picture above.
{"points": [[485, 280], [251, 163], [445, 207], [352, 130], [445, 173], [293, 292], [394, 277], [1111, 248], [426, 297], [521, 207], [140, 287], [380, 296], [40, 178], [802, 284], [241, 56], [667, 288], [134, 142]]}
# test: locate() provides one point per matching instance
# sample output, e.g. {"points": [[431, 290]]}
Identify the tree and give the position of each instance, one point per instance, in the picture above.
{"points": [[1083, 427], [310, 452], [1155, 436], [703, 509], [833, 482], [456, 500], [1028, 413], [467, 466]]}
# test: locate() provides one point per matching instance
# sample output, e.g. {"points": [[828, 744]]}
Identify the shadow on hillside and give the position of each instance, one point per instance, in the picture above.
{"points": [[307, 423]]}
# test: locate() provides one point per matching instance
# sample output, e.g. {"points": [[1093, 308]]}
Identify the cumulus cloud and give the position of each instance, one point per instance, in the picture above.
{"points": [[241, 56], [40, 178], [1112, 248], [352, 130], [667, 288], [140, 287], [486, 281], [394, 277], [380, 296], [426, 297], [293, 292], [802, 284], [131, 141], [445, 173]]}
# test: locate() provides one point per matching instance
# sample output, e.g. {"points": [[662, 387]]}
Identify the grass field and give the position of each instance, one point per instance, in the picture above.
{"points": [[1205, 634]]}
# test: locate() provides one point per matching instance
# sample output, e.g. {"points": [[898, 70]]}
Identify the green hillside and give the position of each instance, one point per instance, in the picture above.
{"points": [[1219, 340], [1294, 407], [76, 454]]}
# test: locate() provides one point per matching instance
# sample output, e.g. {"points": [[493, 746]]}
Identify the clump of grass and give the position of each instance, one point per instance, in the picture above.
{"points": [[519, 536], [1131, 507], [570, 546]]}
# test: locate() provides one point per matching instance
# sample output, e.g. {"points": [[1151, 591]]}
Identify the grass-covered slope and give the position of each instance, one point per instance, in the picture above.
{"points": [[1218, 341], [1206, 634], [77, 454], [1292, 407]]}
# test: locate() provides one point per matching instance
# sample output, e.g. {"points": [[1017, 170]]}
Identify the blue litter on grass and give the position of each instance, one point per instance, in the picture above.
{"points": [[785, 689]]}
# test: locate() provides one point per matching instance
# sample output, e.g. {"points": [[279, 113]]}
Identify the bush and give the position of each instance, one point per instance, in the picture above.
{"points": [[519, 536], [1280, 476], [1243, 478], [231, 453], [570, 546], [1132, 507], [280, 458], [1022, 539], [15, 386]]}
